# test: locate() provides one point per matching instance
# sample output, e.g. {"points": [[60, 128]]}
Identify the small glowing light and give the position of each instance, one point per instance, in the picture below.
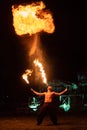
{"points": [[34, 104], [65, 106]]}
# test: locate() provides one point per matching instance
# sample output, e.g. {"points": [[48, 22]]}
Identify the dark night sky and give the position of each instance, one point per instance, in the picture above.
{"points": [[65, 48]]}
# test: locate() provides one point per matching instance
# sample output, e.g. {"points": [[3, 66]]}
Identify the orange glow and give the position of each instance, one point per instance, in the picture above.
{"points": [[26, 75], [37, 63], [32, 18]]}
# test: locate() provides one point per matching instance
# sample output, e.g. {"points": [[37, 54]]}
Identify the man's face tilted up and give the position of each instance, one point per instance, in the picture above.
{"points": [[49, 88]]}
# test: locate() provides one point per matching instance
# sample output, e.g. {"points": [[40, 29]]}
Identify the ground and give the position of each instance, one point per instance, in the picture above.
{"points": [[66, 121]]}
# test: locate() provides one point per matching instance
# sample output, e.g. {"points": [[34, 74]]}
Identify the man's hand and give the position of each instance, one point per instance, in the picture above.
{"points": [[31, 89], [66, 89]]}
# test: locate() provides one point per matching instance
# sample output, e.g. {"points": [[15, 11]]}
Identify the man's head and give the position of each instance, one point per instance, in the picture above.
{"points": [[49, 88]]}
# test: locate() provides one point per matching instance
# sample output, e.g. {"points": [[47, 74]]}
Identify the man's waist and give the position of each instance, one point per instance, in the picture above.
{"points": [[48, 102]]}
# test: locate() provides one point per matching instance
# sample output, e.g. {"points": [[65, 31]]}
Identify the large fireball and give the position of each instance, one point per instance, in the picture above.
{"points": [[32, 18]]}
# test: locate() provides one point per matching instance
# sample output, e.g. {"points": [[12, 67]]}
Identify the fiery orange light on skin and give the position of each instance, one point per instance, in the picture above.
{"points": [[37, 63], [26, 74], [31, 19]]}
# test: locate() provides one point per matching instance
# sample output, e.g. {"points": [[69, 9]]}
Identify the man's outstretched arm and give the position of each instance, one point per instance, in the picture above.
{"points": [[60, 93], [37, 93]]}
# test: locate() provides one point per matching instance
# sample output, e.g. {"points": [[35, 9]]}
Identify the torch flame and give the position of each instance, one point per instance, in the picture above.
{"points": [[32, 18], [37, 63], [26, 74]]}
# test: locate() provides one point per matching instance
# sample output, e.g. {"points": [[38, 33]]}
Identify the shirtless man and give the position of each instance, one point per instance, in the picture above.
{"points": [[48, 106]]}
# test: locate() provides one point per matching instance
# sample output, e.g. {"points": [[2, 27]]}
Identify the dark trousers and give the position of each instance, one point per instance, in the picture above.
{"points": [[47, 108]]}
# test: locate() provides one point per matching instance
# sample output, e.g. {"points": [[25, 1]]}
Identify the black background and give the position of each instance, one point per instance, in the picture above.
{"points": [[65, 48]]}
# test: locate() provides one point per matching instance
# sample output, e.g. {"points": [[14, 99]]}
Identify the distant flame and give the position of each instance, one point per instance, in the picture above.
{"points": [[37, 63], [26, 75], [32, 18]]}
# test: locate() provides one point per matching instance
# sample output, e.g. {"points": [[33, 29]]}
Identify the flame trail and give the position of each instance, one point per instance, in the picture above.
{"points": [[32, 18], [26, 75], [34, 45], [37, 63]]}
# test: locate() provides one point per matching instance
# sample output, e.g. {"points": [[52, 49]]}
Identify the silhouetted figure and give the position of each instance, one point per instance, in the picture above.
{"points": [[48, 106]]}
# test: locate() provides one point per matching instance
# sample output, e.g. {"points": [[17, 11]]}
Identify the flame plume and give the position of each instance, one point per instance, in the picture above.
{"points": [[32, 18], [37, 63], [29, 72]]}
